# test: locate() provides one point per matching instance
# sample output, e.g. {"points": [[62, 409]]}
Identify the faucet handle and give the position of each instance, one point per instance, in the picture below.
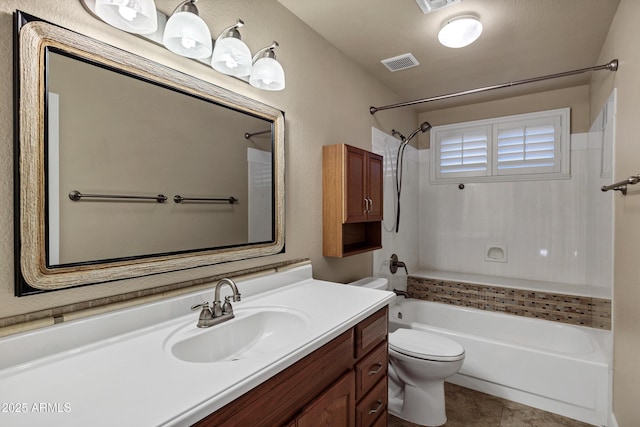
{"points": [[204, 306], [205, 314]]}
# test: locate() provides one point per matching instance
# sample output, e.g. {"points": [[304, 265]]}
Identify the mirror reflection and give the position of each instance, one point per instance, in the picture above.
{"points": [[127, 168], [113, 135]]}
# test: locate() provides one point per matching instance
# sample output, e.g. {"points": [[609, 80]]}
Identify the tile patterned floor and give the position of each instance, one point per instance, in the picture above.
{"points": [[469, 408]]}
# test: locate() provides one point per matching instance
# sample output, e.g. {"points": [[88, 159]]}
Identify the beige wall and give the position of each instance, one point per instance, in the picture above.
{"points": [[622, 43], [577, 98], [326, 101]]}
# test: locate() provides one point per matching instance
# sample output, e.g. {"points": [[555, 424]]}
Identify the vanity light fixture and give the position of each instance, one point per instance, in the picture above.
{"points": [[186, 33], [230, 54], [267, 73], [460, 31], [133, 16]]}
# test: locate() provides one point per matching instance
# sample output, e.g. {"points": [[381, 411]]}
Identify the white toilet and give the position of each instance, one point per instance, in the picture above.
{"points": [[419, 362]]}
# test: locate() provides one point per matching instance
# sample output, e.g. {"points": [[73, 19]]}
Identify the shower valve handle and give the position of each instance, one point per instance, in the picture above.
{"points": [[395, 263]]}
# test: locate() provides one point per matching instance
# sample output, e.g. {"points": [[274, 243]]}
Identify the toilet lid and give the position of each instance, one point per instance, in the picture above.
{"points": [[424, 345]]}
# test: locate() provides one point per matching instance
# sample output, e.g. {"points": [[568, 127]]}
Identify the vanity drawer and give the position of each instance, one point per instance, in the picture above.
{"points": [[371, 332], [373, 405], [371, 369]]}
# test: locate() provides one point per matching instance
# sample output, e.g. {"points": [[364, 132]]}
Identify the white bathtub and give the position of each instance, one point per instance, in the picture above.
{"points": [[549, 365]]}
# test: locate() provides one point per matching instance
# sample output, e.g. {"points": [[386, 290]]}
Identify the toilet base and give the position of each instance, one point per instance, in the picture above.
{"points": [[420, 406]]}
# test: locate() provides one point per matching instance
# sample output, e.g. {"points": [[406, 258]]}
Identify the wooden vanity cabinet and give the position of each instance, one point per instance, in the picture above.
{"points": [[342, 384], [372, 362], [352, 200]]}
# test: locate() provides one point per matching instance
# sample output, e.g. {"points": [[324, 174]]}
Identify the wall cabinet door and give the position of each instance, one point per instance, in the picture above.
{"points": [[363, 186], [374, 186]]}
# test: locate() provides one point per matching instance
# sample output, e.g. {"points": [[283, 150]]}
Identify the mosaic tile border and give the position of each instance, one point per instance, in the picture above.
{"points": [[20, 322], [571, 309]]}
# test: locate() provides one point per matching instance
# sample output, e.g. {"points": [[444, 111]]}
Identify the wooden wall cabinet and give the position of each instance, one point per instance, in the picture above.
{"points": [[342, 384], [352, 200]]}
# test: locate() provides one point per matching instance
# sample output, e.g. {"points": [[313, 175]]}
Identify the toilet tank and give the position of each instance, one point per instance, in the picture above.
{"points": [[371, 282]]}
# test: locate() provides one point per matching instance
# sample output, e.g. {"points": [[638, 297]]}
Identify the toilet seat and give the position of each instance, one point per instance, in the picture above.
{"points": [[424, 345]]}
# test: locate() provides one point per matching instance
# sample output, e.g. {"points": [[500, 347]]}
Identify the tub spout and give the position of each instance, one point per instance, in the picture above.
{"points": [[401, 293]]}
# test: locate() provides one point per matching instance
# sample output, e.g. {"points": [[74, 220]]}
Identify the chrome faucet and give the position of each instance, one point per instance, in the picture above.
{"points": [[210, 316]]}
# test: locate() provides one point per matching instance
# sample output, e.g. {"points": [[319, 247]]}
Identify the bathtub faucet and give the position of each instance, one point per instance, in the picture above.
{"points": [[395, 263], [401, 293]]}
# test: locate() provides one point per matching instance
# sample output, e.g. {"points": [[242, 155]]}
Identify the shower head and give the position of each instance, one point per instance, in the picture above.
{"points": [[398, 134], [424, 126]]}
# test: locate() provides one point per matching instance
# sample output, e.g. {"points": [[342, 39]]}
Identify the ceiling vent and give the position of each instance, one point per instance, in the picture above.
{"points": [[428, 6], [400, 62]]}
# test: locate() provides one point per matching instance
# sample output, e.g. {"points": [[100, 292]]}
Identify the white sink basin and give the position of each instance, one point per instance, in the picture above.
{"points": [[252, 333]]}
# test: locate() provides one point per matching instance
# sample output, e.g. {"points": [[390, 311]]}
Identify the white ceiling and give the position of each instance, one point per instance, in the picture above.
{"points": [[521, 39]]}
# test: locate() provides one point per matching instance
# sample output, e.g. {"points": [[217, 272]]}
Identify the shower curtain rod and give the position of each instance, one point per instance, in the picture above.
{"points": [[611, 66]]}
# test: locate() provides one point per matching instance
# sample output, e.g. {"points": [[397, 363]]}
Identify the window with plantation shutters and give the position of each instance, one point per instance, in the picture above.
{"points": [[464, 152], [525, 146], [528, 147]]}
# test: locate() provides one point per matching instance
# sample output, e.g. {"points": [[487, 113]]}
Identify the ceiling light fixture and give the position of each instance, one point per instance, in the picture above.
{"points": [[267, 73], [460, 31], [186, 33], [230, 54], [133, 16]]}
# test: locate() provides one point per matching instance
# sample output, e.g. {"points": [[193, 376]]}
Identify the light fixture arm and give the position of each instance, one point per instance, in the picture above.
{"points": [[187, 6], [266, 52], [231, 31]]}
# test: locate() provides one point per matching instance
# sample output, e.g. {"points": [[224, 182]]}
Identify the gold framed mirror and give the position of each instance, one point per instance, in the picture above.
{"points": [[102, 134]]}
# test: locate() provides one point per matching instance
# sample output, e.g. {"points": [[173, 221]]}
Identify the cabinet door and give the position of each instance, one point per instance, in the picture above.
{"points": [[374, 187], [333, 408], [355, 185]]}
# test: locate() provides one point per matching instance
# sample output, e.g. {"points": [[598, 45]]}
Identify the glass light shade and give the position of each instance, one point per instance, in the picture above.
{"points": [[133, 16], [231, 56], [267, 74], [460, 32], [187, 34]]}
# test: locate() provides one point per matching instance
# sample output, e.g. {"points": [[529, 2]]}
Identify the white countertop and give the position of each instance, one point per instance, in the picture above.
{"points": [[95, 372]]}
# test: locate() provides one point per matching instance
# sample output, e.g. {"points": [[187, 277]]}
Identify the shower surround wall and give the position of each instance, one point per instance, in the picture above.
{"points": [[553, 231], [405, 242]]}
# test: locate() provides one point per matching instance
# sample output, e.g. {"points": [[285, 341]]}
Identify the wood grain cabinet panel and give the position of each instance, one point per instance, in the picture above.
{"points": [[278, 400], [373, 405], [371, 332], [333, 408], [371, 369], [352, 200]]}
